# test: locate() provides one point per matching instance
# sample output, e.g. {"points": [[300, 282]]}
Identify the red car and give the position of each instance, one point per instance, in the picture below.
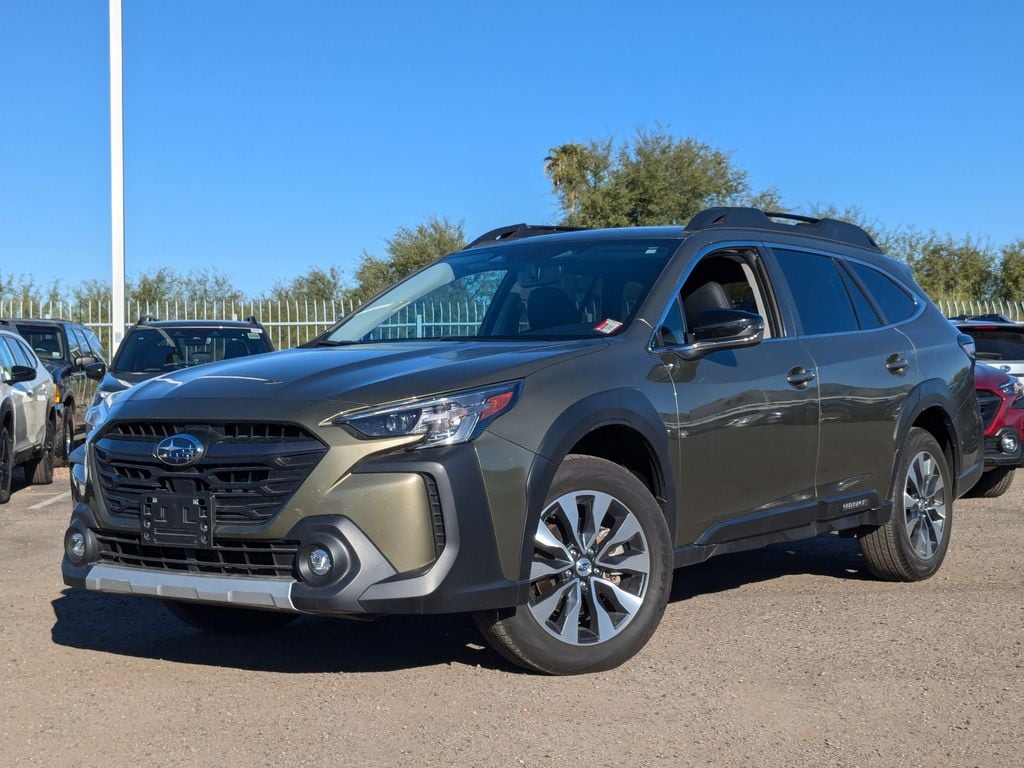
{"points": [[1001, 398]]}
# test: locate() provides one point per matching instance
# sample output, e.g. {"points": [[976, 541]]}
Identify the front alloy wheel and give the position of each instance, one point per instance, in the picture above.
{"points": [[924, 505], [600, 568], [590, 570]]}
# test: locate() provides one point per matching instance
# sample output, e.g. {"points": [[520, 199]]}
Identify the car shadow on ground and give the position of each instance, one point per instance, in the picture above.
{"points": [[141, 627]]}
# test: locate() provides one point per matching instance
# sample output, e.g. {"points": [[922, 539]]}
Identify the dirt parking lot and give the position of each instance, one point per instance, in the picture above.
{"points": [[790, 656]]}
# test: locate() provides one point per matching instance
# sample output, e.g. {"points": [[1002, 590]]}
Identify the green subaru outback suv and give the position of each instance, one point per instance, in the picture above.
{"points": [[538, 429]]}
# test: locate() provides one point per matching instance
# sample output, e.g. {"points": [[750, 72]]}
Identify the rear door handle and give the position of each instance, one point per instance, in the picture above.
{"points": [[897, 364], [800, 377]]}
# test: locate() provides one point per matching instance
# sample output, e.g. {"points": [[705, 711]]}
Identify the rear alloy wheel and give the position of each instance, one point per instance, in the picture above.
{"points": [[39, 470], [912, 545], [6, 464], [600, 570], [992, 484], [228, 620]]}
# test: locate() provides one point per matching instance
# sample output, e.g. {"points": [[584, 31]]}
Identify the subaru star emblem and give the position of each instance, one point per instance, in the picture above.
{"points": [[180, 450]]}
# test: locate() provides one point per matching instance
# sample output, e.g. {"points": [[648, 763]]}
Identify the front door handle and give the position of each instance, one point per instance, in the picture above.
{"points": [[897, 364], [800, 377]]}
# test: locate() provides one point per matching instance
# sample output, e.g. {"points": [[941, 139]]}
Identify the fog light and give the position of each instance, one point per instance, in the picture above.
{"points": [[320, 561], [1008, 444]]}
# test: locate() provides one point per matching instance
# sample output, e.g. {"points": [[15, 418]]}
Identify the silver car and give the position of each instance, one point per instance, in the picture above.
{"points": [[27, 415]]}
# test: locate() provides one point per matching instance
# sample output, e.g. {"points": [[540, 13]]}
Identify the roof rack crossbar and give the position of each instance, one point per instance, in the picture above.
{"points": [[755, 218], [518, 232]]}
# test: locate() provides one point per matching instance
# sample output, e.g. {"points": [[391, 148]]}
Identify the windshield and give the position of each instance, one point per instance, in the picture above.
{"points": [[998, 344], [46, 341], [553, 290], [155, 350]]}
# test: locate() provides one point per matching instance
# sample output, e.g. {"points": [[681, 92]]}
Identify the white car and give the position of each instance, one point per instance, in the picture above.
{"points": [[27, 415]]}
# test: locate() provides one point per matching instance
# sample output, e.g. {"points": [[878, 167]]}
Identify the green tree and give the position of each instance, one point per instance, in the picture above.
{"points": [[408, 250], [315, 285], [947, 268], [208, 286], [154, 288], [655, 179], [1011, 273]]}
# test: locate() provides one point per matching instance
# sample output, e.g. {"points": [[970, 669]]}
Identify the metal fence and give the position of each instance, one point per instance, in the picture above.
{"points": [[290, 323]]}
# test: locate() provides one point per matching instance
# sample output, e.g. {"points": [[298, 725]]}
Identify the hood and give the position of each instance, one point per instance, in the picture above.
{"points": [[362, 374], [989, 377]]}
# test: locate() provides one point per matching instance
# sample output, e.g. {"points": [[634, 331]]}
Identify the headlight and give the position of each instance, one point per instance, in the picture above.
{"points": [[1013, 387], [98, 413], [442, 420]]}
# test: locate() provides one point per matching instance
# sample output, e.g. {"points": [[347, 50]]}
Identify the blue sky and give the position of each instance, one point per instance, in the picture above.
{"points": [[264, 137]]}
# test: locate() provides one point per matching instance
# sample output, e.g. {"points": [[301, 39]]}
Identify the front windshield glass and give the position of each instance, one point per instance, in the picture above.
{"points": [[552, 290], [155, 350]]}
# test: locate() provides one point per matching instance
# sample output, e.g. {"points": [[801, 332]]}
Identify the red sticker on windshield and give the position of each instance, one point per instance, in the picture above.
{"points": [[608, 326]]}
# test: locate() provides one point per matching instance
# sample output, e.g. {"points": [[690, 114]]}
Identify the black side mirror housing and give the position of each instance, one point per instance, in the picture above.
{"points": [[722, 329], [20, 373], [96, 371]]}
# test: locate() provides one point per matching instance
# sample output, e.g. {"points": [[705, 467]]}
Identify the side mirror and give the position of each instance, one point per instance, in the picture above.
{"points": [[21, 373], [84, 361], [722, 329], [96, 371]]}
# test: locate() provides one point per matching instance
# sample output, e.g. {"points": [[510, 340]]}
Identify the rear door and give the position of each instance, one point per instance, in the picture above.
{"points": [[30, 398], [866, 369]]}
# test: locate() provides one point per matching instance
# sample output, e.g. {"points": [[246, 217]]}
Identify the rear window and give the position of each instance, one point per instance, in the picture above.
{"points": [[157, 350], [46, 341], [998, 343]]}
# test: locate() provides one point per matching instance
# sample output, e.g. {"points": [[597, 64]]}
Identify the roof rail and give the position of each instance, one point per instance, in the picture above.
{"points": [[517, 232], [755, 218], [143, 319]]}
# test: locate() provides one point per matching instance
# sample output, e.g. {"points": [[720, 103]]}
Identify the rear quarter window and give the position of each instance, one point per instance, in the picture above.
{"points": [[896, 304]]}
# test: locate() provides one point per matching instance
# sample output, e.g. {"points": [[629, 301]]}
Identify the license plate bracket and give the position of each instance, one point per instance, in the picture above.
{"points": [[178, 520]]}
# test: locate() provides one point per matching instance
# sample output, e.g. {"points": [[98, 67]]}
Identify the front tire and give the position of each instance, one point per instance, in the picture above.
{"points": [[6, 464], [228, 620], [913, 544], [600, 573], [993, 483], [67, 436], [39, 470]]}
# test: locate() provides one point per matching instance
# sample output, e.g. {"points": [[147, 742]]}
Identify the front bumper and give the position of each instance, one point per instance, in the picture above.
{"points": [[996, 456], [465, 576]]}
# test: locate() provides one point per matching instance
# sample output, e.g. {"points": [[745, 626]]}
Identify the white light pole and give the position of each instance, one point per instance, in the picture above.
{"points": [[116, 179]]}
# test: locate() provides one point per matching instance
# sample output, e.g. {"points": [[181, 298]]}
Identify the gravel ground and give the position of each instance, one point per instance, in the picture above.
{"points": [[789, 656]]}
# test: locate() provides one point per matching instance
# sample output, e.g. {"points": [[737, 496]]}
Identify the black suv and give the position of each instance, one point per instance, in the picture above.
{"points": [[153, 347], [67, 350], [538, 430]]}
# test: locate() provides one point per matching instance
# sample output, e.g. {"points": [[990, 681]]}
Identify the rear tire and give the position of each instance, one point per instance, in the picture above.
{"points": [[6, 464], [912, 545], [993, 483], [600, 573], [67, 437], [228, 620], [39, 469]]}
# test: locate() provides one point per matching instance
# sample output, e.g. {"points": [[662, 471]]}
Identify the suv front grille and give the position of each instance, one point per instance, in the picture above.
{"points": [[227, 558], [989, 403], [251, 470]]}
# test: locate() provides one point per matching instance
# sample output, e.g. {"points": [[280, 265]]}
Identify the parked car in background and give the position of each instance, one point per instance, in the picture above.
{"points": [[67, 349], [153, 347], [27, 414], [629, 401], [998, 343], [1001, 399]]}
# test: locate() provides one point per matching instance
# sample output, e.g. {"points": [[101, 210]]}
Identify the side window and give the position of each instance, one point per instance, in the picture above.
{"points": [[18, 351], [816, 286], [866, 315], [82, 341], [6, 358], [895, 303], [94, 343], [74, 343], [671, 332], [726, 280]]}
